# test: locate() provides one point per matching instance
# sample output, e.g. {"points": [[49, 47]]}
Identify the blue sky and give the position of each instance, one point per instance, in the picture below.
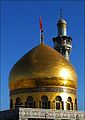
{"points": [[20, 33]]}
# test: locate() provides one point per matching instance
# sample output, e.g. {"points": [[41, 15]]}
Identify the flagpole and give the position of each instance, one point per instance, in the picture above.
{"points": [[41, 32], [40, 36]]}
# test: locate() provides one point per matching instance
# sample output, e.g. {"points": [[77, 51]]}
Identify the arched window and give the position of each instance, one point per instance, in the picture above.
{"points": [[59, 103], [18, 102], [11, 103], [29, 102], [76, 107], [69, 104], [45, 104]]}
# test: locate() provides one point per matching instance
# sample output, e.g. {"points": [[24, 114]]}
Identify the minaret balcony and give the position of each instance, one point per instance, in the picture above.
{"points": [[66, 45]]}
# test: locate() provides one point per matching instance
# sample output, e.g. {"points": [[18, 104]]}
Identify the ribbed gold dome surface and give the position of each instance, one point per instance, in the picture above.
{"points": [[42, 66]]}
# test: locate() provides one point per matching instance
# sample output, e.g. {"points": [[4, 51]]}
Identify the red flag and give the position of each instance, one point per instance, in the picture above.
{"points": [[40, 23]]}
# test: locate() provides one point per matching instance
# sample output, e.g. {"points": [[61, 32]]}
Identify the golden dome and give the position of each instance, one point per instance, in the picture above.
{"points": [[42, 66]]}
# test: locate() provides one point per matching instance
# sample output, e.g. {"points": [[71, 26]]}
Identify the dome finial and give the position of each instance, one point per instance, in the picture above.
{"points": [[61, 13], [41, 32]]}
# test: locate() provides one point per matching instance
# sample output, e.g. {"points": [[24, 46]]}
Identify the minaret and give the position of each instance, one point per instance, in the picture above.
{"points": [[62, 43]]}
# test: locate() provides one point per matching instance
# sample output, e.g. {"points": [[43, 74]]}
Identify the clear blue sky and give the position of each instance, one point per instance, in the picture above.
{"points": [[20, 33]]}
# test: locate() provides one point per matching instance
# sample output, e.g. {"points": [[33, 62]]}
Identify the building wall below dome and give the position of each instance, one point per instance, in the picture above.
{"points": [[55, 100]]}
